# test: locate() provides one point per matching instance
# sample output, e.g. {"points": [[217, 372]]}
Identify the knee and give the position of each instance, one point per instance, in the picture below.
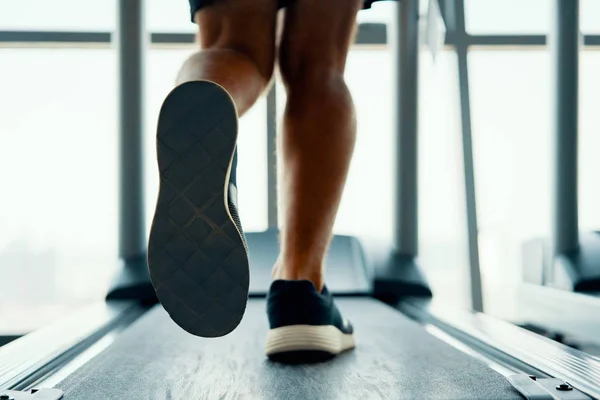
{"points": [[316, 83], [308, 73], [264, 63], [315, 79]]}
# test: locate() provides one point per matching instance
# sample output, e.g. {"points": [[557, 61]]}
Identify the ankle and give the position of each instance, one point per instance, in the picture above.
{"points": [[288, 272]]}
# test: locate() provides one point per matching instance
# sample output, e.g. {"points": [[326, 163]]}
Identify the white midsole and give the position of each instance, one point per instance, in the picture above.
{"points": [[308, 337]]}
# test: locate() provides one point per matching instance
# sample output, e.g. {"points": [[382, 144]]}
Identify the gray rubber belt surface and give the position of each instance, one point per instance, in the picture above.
{"points": [[395, 358]]}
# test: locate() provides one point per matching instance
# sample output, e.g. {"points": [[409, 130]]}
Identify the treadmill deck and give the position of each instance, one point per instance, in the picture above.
{"points": [[395, 358]]}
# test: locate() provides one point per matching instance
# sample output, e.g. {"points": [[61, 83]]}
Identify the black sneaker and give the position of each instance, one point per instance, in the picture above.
{"points": [[305, 325], [197, 252]]}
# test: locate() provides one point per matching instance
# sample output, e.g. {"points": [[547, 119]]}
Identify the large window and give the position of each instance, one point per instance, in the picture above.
{"points": [[58, 15], [510, 97], [59, 152], [58, 221], [513, 136], [515, 17], [443, 251]]}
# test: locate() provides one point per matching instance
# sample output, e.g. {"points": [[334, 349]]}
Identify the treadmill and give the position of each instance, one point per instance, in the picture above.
{"points": [[408, 344]]}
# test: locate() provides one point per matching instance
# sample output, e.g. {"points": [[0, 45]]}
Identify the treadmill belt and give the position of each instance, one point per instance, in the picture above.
{"points": [[395, 358]]}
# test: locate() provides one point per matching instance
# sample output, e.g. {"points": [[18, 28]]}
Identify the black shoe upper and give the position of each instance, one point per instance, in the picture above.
{"points": [[232, 199], [299, 303], [233, 173]]}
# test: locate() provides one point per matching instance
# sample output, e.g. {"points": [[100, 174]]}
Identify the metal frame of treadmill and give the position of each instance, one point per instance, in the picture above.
{"points": [[31, 357], [561, 311], [510, 344]]}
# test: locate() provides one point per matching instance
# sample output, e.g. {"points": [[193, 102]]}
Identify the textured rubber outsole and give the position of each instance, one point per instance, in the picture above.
{"points": [[197, 255], [296, 341]]}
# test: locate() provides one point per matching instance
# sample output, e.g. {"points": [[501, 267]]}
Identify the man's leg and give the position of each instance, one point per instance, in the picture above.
{"points": [[319, 131], [237, 48], [316, 146]]}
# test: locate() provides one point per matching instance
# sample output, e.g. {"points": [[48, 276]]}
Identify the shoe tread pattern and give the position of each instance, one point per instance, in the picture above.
{"points": [[197, 256]]}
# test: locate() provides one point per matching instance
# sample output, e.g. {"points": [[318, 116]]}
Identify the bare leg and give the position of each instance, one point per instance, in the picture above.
{"points": [[319, 131], [237, 42]]}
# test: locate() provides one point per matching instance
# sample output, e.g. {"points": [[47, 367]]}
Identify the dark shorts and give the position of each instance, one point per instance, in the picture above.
{"points": [[195, 5]]}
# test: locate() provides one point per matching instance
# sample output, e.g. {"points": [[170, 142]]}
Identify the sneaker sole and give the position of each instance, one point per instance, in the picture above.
{"points": [[295, 341], [197, 254]]}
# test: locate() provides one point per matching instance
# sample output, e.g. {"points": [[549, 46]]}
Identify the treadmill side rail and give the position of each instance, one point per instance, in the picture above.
{"points": [[33, 394], [545, 389], [514, 345]]}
